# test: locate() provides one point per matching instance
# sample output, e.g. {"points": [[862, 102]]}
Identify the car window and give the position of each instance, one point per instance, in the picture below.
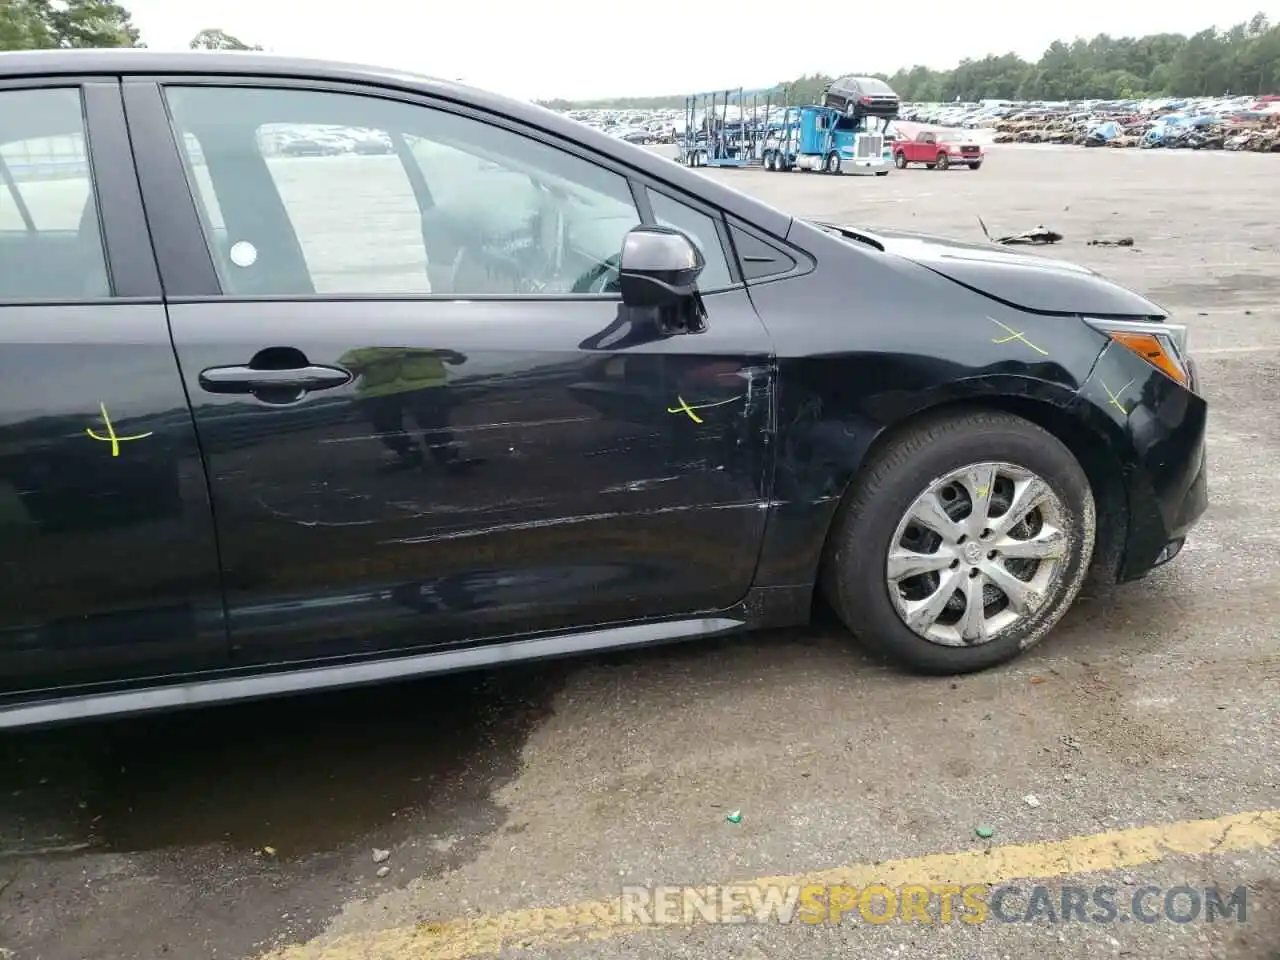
{"points": [[874, 87], [50, 239], [701, 229], [316, 192]]}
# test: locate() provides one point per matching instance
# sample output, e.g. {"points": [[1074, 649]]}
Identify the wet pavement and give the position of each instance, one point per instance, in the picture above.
{"points": [[230, 831]]}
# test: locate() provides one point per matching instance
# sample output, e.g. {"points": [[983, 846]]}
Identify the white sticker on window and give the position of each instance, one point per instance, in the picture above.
{"points": [[244, 253]]}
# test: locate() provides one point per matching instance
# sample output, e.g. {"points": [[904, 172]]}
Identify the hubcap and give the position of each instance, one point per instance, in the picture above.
{"points": [[976, 554]]}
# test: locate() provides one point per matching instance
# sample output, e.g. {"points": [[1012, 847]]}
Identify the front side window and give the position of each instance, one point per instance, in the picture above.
{"points": [[306, 192], [50, 238]]}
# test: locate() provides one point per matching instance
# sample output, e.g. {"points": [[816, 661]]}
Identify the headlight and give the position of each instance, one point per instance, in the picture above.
{"points": [[1163, 345]]}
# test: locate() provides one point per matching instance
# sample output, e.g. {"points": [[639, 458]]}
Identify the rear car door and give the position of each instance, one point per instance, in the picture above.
{"points": [[425, 419], [108, 568]]}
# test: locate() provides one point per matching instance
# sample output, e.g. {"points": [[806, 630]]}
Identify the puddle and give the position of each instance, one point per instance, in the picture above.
{"points": [[303, 775]]}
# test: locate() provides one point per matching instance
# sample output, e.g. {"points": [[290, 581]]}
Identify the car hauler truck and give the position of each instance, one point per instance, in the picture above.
{"points": [[847, 133], [825, 140]]}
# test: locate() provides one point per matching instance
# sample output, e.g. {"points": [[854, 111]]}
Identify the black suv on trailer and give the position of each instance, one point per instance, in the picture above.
{"points": [[515, 389]]}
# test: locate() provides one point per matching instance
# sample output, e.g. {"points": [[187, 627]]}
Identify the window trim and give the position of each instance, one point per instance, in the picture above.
{"points": [[122, 227], [186, 264]]}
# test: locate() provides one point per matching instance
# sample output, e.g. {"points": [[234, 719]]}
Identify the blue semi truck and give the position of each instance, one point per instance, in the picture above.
{"points": [[826, 140]]}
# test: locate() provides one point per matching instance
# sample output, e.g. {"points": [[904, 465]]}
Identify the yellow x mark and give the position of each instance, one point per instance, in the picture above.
{"points": [[1115, 397], [112, 437], [685, 408], [1015, 336]]}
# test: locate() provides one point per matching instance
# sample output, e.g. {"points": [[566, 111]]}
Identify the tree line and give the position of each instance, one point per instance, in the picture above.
{"points": [[1244, 59], [68, 24]]}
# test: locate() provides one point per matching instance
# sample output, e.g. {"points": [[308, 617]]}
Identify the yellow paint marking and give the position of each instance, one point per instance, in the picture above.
{"points": [[1115, 397], [112, 437], [1015, 337], [685, 408], [602, 919]]}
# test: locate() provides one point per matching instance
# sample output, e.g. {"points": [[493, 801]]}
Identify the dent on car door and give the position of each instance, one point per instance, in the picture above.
{"points": [[108, 569], [463, 484]]}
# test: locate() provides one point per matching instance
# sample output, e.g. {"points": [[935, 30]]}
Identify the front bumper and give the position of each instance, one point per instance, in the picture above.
{"points": [[1158, 431], [864, 165]]}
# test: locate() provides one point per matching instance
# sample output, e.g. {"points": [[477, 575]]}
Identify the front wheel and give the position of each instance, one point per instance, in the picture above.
{"points": [[963, 543], [943, 161], [832, 163], [882, 173], [975, 165]]}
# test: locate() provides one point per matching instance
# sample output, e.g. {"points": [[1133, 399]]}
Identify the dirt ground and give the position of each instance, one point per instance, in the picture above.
{"points": [[237, 831]]}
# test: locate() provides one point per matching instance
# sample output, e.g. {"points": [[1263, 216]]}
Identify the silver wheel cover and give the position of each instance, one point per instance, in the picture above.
{"points": [[978, 552]]}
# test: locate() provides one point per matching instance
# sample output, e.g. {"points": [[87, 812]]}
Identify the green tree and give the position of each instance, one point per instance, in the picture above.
{"points": [[1244, 59], [213, 38], [54, 24]]}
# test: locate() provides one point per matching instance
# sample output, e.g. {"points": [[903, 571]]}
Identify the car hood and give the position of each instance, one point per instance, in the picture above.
{"points": [[1026, 281]]}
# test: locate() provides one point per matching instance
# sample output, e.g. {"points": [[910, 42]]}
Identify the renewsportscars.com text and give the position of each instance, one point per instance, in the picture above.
{"points": [[933, 904]]}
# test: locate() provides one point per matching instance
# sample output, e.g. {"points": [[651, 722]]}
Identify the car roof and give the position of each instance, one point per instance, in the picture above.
{"points": [[135, 61]]}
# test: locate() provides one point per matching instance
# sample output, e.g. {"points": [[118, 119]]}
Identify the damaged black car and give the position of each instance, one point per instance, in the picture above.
{"points": [[510, 388]]}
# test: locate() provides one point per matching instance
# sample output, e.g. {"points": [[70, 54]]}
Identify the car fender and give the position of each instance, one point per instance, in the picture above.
{"points": [[821, 453]]}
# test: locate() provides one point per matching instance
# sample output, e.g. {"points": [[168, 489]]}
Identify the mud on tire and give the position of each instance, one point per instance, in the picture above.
{"points": [[874, 513]]}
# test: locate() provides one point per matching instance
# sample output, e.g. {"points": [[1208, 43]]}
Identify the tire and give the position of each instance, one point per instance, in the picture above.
{"points": [[855, 575], [975, 165], [943, 161], [832, 163], [882, 173], [900, 161]]}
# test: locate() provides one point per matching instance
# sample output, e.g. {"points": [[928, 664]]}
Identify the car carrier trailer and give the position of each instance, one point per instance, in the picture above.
{"points": [[727, 128]]}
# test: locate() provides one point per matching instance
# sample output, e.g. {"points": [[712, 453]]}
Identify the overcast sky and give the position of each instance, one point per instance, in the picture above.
{"points": [[589, 48]]}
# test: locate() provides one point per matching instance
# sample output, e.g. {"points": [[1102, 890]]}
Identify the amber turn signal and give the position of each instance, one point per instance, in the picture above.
{"points": [[1155, 351], [1163, 345]]}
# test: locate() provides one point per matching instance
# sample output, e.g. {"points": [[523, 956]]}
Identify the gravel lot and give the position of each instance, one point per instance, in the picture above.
{"points": [[556, 784]]}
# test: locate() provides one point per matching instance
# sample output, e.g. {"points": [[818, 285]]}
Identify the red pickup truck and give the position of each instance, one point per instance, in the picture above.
{"points": [[934, 150]]}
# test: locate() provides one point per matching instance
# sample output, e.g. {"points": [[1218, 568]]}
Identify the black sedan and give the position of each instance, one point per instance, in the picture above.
{"points": [[517, 389]]}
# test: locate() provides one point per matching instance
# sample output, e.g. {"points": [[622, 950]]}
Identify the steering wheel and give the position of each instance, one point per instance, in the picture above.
{"points": [[602, 278]]}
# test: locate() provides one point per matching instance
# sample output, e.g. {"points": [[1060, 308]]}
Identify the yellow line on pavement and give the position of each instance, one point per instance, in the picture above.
{"points": [[486, 935]]}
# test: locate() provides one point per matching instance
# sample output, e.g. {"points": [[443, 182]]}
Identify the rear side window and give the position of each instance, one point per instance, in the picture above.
{"points": [[701, 229], [50, 238]]}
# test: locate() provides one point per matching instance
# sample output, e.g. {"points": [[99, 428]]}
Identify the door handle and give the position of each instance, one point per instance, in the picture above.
{"points": [[251, 379]]}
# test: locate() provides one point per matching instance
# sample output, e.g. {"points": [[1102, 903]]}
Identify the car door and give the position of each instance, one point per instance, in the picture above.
{"points": [[108, 568], [425, 417]]}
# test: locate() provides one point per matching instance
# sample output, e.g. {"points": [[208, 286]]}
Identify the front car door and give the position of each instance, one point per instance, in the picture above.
{"points": [[507, 455], [108, 568]]}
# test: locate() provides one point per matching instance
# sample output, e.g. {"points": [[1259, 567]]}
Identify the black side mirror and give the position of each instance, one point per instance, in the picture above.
{"points": [[659, 268]]}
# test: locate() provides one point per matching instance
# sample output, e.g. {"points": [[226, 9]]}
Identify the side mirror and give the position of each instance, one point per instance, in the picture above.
{"points": [[659, 267]]}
